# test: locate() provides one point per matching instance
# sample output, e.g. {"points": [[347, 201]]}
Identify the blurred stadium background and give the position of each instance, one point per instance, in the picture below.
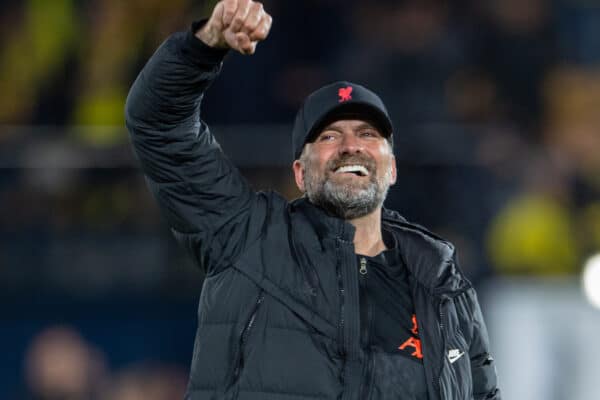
{"points": [[496, 105]]}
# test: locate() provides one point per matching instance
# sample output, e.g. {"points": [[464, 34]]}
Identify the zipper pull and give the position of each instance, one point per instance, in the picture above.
{"points": [[363, 266]]}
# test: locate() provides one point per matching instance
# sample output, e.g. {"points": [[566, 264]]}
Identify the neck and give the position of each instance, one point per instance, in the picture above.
{"points": [[368, 240]]}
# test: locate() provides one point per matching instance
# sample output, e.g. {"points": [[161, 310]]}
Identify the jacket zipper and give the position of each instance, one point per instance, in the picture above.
{"points": [[443, 336], [363, 266], [342, 299], [364, 334], [365, 393], [365, 328], [245, 334]]}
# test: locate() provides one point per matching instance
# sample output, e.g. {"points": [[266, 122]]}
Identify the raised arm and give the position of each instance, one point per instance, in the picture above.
{"points": [[207, 203]]}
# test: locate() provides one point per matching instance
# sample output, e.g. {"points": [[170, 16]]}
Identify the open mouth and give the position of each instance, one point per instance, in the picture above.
{"points": [[357, 170]]}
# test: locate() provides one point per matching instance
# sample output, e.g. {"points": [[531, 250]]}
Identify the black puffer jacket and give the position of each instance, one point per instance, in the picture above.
{"points": [[279, 309]]}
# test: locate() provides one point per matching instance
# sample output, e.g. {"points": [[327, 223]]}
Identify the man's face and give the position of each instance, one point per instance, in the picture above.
{"points": [[347, 169]]}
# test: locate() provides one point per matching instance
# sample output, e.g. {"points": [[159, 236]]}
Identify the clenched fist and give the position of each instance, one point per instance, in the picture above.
{"points": [[236, 24]]}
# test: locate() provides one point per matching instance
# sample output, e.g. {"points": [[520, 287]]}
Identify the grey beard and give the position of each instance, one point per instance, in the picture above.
{"points": [[345, 202]]}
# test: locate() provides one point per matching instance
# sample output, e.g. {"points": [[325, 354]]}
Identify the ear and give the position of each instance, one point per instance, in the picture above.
{"points": [[298, 168], [394, 171]]}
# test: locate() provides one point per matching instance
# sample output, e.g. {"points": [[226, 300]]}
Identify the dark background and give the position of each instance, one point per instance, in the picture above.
{"points": [[495, 106]]}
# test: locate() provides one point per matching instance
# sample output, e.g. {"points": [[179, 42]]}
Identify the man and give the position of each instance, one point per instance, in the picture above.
{"points": [[329, 296]]}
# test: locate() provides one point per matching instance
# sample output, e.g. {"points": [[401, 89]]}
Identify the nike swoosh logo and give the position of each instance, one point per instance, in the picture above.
{"points": [[454, 355]]}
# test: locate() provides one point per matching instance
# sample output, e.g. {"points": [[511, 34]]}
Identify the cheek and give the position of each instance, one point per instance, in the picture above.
{"points": [[386, 168], [318, 172], [318, 165], [321, 156]]}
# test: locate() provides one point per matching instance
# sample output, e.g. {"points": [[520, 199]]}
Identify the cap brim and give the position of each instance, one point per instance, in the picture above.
{"points": [[354, 110]]}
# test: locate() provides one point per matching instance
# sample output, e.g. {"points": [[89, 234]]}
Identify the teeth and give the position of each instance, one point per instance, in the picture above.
{"points": [[353, 168]]}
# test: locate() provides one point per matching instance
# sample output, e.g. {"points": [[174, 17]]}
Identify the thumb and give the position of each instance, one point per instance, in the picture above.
{"points": [[244, 44]]}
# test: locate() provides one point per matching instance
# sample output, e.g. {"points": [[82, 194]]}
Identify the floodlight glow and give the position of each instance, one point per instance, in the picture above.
{"points": [[591, 280]]}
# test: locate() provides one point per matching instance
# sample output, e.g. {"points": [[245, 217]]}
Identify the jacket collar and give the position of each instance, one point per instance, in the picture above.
{"points": [[427, 257], [430, 259], [325, 224]]}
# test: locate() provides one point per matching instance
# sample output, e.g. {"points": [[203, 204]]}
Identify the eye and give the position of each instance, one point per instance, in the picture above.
{"points": [[369, 133], [326, 137]]}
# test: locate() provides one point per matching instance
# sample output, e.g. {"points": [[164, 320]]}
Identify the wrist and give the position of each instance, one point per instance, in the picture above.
{"points": [[209, 36]]}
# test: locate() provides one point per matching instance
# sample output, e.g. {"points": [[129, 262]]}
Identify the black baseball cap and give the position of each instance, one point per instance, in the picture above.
{"points": [[338, 100]]}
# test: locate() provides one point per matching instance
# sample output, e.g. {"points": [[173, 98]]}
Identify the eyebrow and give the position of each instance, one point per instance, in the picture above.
{"points": [[363, 125], [367, 125]]}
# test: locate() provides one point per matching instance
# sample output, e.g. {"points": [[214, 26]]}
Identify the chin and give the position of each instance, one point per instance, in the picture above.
{"points": [[352, 186]]}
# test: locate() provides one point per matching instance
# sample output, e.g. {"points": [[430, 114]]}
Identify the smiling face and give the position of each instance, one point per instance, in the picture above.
{"points": [[347, 169]]}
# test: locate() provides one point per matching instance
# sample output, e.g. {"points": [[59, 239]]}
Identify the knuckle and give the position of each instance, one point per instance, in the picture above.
{"points": [[229, 6], [228, 12], [261, 33], [260, 15]]}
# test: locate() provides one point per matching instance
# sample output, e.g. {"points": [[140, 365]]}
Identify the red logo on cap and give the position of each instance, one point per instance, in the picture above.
{"points": [[345, 94]]}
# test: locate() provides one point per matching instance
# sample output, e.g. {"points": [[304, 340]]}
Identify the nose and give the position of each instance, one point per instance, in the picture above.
{"points": [[350, 144]]}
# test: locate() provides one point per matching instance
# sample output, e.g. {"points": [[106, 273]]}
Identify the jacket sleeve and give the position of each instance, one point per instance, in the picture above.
{"points": [[483, 366], [210, 208]]}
